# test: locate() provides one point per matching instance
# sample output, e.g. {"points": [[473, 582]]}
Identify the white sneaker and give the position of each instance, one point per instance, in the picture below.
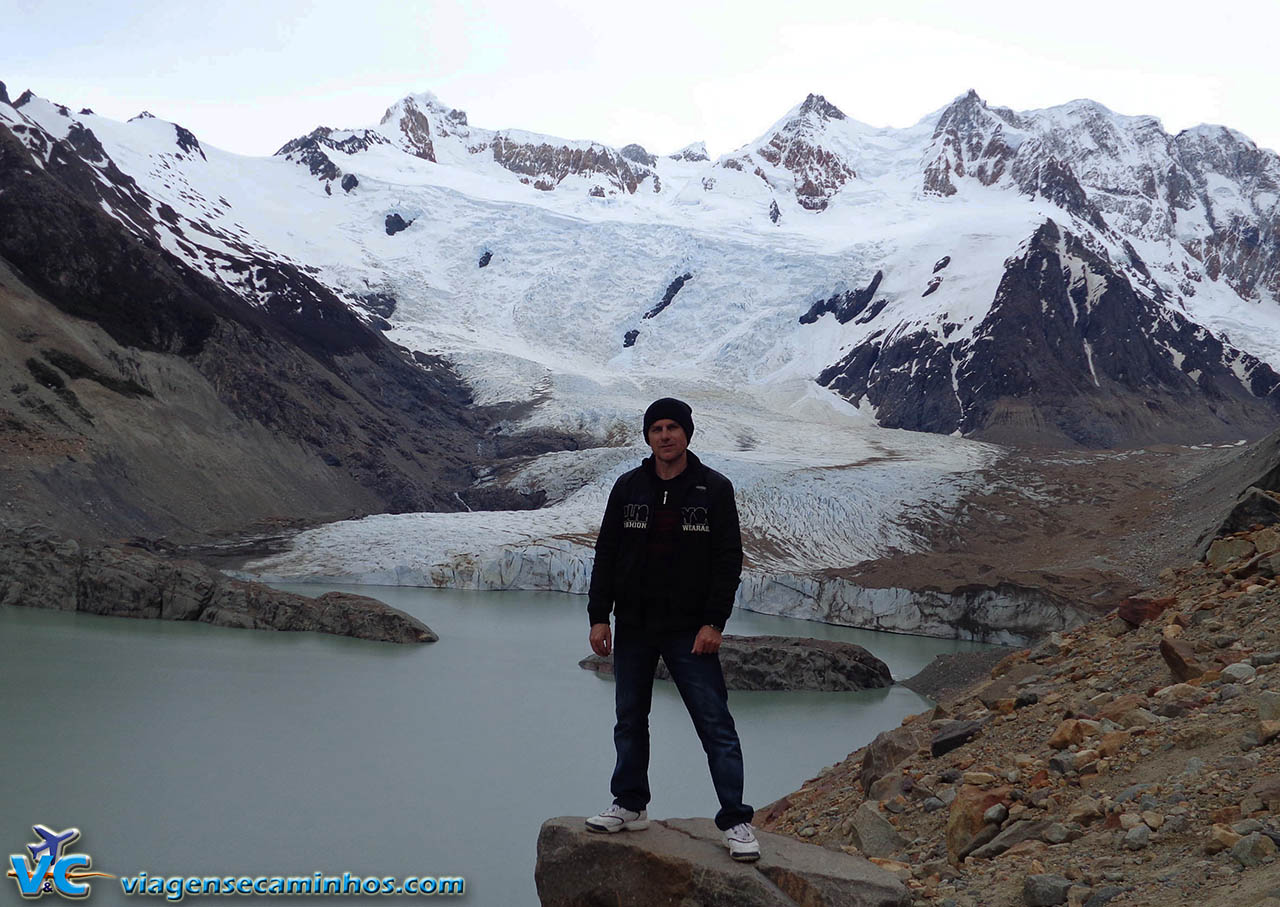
{"points": [[742, 843], [615, 818]]}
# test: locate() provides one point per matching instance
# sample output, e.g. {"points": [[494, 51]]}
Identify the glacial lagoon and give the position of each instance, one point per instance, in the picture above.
{"points": [[184, 749]]}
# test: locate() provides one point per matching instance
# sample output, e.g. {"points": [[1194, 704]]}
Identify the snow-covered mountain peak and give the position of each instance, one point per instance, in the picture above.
{"points": [[678, 252], [817, 105], [970, 113], [809, 154], [692, 153], [423, 100]]}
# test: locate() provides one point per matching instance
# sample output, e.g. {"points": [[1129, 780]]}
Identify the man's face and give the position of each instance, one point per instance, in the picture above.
{"points": [[668, 440]]}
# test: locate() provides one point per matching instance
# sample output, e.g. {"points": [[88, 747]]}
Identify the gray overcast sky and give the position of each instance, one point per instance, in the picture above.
{"points": [[247, 75]]}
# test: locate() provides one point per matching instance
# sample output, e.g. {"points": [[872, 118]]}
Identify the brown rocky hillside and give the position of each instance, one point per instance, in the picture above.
{"points": [[1134, 760]]}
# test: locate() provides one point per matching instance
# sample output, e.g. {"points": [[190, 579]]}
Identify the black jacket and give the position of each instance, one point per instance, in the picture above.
{"points": [[708, 561]]}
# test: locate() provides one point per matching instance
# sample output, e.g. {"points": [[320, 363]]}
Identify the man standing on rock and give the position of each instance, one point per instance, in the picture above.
{"points": [[668, 562]]}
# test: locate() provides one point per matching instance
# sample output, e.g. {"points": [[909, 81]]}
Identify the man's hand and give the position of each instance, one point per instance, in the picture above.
{"points": [[707, 641], [601, 639]]}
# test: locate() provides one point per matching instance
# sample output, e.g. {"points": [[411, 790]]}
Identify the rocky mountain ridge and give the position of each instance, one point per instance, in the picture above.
{"points": [[127, 371], [1179, 233]]}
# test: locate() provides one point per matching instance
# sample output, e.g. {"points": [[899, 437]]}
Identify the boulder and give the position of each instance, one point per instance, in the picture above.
{"points": [[1181, 659], [1012, 834], [1138, 609], [1239, 672], [886, 752], [1137, 837], [39, 570], [873, 834], [966, 829], [1253, 849], [785, 663], [1220, 838], [1225, 551], [1255, 506], [1267, 541], [684, 861], [1068, 732], [1267, 791], [953, 735], [1045, 890], [1117, 709], [1084, 811]]}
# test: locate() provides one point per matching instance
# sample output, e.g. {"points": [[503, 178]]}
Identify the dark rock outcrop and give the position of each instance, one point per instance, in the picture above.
{"points": [[637, 154], [775, 215], [952, 736], [684, 861], [1257, 506], [672, 289], [382, 304], [486, 258], [312, 149], [188, 142], [41, 570], [845, 306], [395, 223], [1071, 352], [629, 338], [785, 663], [349, 182], [259, 382]]}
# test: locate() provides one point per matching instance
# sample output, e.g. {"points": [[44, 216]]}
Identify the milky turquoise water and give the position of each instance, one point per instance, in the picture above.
{"points": [[184, 749]]}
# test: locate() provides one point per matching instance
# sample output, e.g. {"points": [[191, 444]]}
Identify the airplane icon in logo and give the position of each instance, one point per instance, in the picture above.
{"points": [[53, 842]]}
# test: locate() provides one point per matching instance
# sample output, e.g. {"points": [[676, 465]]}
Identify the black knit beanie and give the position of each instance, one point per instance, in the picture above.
{"points": [[669, 408]]}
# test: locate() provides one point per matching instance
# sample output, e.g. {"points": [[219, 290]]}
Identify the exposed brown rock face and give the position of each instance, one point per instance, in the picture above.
{"points": [[969, 140], [818, 173], [546, 165], [684, 861], [416, 127], [41, 570]]}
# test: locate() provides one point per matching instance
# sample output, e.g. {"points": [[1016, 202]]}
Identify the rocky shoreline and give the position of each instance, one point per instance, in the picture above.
{"points": [[1132, 761], [784, 663], [39, 569]]}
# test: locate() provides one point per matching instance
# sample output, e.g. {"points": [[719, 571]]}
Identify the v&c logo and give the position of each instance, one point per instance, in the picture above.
{"points": [[50, 869]]}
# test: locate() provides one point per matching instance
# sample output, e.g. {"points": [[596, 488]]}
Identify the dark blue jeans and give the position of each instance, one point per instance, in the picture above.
{"points": [[701, 685]]}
